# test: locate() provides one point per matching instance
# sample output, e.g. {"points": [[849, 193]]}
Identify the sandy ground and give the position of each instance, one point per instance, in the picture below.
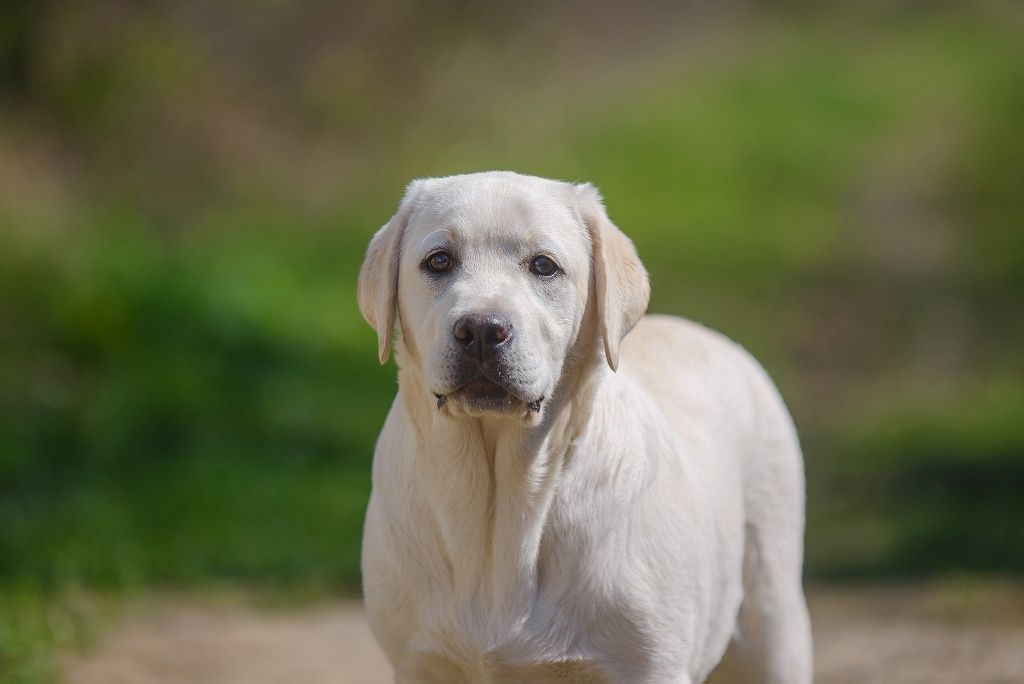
{"points": [[892, 635]]}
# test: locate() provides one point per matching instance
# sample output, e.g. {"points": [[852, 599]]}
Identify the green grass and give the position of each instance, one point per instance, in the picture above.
{"points": [[187, 413], [34, 625]]}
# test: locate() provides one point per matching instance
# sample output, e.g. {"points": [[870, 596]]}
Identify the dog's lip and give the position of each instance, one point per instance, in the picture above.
{"points": [[487, 383], [483, 381]]}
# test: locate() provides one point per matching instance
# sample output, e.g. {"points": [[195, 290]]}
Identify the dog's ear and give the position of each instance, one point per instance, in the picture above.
{"points": [[378, 276], [620, 280]]}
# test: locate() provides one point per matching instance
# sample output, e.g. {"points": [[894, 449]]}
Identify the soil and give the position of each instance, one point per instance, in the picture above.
{"points": [[865, 635]]}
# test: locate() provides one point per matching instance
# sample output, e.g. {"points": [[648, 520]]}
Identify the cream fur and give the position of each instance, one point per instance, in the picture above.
{"points": [[635, 527]]}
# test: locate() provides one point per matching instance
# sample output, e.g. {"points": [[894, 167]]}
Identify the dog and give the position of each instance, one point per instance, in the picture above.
{"points": [[565, 489]]}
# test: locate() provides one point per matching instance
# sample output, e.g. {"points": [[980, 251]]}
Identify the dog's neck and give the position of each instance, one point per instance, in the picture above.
{"points": [[490, 483]]}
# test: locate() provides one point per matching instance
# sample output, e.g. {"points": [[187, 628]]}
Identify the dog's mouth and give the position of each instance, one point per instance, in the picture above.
{"points": [[481, 394]]}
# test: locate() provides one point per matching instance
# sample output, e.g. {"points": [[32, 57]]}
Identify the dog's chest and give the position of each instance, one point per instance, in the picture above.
{"points": [[569, 615], [561, 636]]}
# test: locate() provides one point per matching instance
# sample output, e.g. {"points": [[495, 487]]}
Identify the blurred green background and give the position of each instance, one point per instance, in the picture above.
{"points": [[189, 397]]}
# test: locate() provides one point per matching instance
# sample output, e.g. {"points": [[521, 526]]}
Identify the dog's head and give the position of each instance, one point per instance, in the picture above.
{"points": [[493, 278]]}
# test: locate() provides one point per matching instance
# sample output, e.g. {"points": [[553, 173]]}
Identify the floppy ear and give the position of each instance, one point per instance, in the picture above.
{"points": [[620, 280], [378, 276]]}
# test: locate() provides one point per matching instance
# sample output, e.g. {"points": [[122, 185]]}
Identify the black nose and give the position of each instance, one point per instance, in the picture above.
{"points": [[481, 334]]}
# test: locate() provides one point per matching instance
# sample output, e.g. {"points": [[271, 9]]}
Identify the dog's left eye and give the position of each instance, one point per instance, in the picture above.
{"points": [[543, 266]]}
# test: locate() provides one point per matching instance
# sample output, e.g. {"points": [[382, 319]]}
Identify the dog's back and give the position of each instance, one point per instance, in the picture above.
{"points": [[711, 389]]}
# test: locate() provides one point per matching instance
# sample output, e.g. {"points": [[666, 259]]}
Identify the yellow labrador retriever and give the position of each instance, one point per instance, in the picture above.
{"points": [[566, 490]]}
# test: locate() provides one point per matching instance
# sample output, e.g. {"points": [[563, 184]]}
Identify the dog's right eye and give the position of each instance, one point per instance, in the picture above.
{"points": [[439, 262]]}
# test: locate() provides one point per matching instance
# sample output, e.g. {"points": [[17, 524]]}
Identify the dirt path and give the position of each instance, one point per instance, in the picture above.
{"points": [[863, 636]]}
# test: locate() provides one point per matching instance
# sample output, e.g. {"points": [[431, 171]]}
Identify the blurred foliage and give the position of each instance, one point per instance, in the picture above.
{"points": [[184, 411], [188, 393]]}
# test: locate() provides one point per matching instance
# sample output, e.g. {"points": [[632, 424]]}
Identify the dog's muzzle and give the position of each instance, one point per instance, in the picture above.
{"points": [[480, 376]]}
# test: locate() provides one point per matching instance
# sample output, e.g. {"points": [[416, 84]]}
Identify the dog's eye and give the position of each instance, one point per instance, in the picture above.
{"points": [[438, 262], [543, 266]]}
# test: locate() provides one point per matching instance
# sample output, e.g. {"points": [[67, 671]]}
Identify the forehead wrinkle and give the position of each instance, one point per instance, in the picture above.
{"points": [[522, 215], [447, 232], [510, 219]]}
